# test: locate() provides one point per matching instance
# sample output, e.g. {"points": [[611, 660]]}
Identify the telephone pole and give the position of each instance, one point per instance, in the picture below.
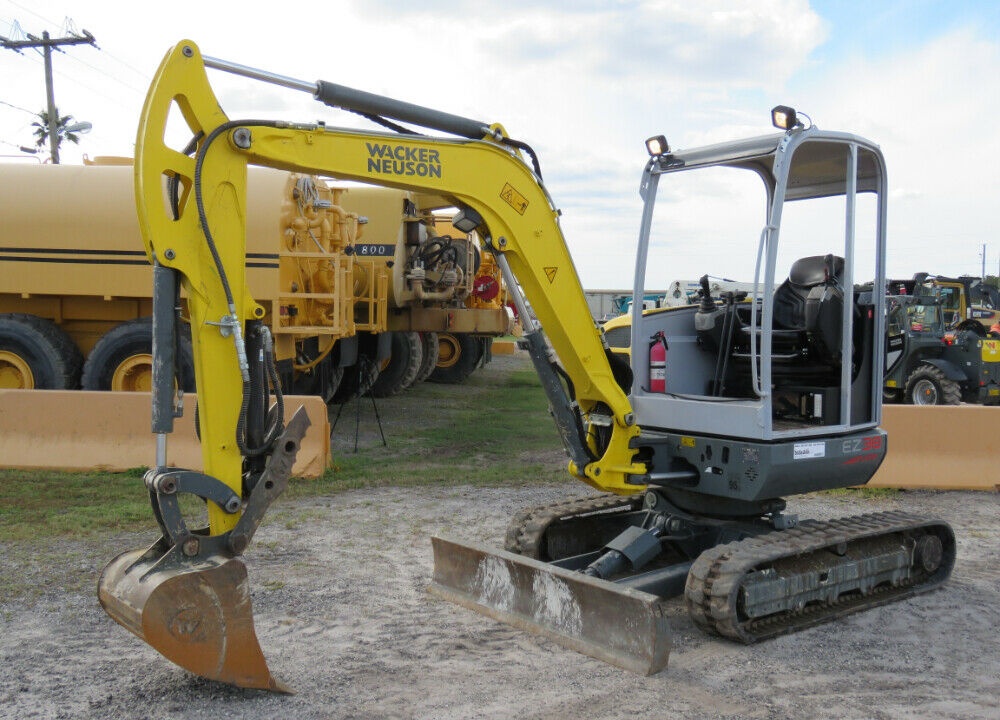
{"points": [[47, 43]]}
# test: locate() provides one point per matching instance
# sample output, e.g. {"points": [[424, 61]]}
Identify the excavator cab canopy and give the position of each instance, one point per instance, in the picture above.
{"points": [[803, 358]]}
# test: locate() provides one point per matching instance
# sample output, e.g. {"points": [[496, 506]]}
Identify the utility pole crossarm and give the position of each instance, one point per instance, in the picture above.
{"points": [[46, 41]]}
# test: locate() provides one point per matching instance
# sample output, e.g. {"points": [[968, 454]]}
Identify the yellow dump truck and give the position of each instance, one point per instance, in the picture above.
{"points": [[346, 274]]}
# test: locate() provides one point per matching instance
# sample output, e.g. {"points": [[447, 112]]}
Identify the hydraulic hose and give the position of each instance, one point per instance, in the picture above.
{"points": [[233, 321]]}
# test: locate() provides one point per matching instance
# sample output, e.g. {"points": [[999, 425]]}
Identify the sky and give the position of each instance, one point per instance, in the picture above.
{"points": [[585, 83]]}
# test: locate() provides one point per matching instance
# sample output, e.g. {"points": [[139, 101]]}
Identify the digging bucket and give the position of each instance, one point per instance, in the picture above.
{"points": [[188, 595], [615, 624], [198, 617]]}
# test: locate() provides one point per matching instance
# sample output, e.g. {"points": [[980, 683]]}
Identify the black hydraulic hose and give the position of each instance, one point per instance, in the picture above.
{"points": [[526, 148], [173, 184], [200, 202], [277, 422], [433, 251], [389, 124], [241, 425]]}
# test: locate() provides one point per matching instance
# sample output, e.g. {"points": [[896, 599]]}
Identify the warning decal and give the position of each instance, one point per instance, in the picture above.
{"points": [[513, 198], [550, 273]]}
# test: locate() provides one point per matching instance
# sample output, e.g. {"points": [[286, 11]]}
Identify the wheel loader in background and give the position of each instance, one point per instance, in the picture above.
{"points": [[342, 273], [693, 447], [927, 365]]}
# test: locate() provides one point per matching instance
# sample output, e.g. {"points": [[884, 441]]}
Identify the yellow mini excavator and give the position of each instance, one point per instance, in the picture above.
{"points": [[723, 409]]}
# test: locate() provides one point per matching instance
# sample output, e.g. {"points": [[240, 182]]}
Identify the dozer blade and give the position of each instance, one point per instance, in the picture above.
{"points": [[198, 617], [616, 624]]}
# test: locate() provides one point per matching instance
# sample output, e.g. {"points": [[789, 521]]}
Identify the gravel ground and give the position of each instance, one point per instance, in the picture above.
{"points": [[343, 615]]}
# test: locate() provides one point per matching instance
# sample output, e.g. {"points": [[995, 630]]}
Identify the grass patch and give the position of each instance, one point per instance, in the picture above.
{"points": [[494, 429], [864, 492], [489, 431], [46, 503]]}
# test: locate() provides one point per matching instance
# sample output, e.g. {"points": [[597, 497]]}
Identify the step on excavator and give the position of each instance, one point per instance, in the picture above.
{"points": [[692, 446]]}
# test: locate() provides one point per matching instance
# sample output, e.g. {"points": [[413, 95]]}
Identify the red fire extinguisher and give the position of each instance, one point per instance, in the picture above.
{"points": [[658, 363]]}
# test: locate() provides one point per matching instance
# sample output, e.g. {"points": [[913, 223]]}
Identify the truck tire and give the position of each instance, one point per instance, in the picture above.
{"points": [[36, 354], [312, 377], [429, 344], [323, 380], [927, 385], [122, 360], [356, 381], [400, 370], [458, 356]]}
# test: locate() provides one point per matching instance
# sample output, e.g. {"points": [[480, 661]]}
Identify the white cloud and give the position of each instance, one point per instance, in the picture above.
{"points": [[932, 110], [584, 83]]}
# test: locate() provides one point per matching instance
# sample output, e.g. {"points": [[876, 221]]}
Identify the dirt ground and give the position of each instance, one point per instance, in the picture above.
{"points": [[343, 615]]}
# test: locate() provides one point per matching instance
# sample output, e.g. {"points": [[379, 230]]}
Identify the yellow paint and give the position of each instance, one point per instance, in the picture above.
{"points": [[942, 447], [15, 373]]}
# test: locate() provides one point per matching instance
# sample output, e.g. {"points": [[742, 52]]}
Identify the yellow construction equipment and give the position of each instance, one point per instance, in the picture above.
{"points": [[693, 445], [335, 268]]}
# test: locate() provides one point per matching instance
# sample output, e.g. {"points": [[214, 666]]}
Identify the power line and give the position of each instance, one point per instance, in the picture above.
{"points": [[109, 75], [16, 107], [75, 79], [69, 28], [28, 10]]}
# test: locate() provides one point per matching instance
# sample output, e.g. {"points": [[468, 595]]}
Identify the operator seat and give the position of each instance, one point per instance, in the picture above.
{"points": [[811, 303], [807, 319]]}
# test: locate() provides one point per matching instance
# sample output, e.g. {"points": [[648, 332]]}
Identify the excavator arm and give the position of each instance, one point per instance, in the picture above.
{"points": [[187, 595]]}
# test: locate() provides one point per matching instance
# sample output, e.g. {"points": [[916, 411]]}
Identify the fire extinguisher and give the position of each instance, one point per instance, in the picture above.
{"points": [[658, 363]]}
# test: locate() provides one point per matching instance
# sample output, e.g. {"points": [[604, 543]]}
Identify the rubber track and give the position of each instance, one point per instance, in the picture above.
{"points": [[712, 583], [527, 528]]}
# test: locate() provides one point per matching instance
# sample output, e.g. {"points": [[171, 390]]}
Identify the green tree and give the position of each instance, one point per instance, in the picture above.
{"points": [[62, 122]]}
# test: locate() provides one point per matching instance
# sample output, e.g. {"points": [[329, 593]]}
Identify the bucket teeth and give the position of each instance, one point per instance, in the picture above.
{"points": [[615, 624]]}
